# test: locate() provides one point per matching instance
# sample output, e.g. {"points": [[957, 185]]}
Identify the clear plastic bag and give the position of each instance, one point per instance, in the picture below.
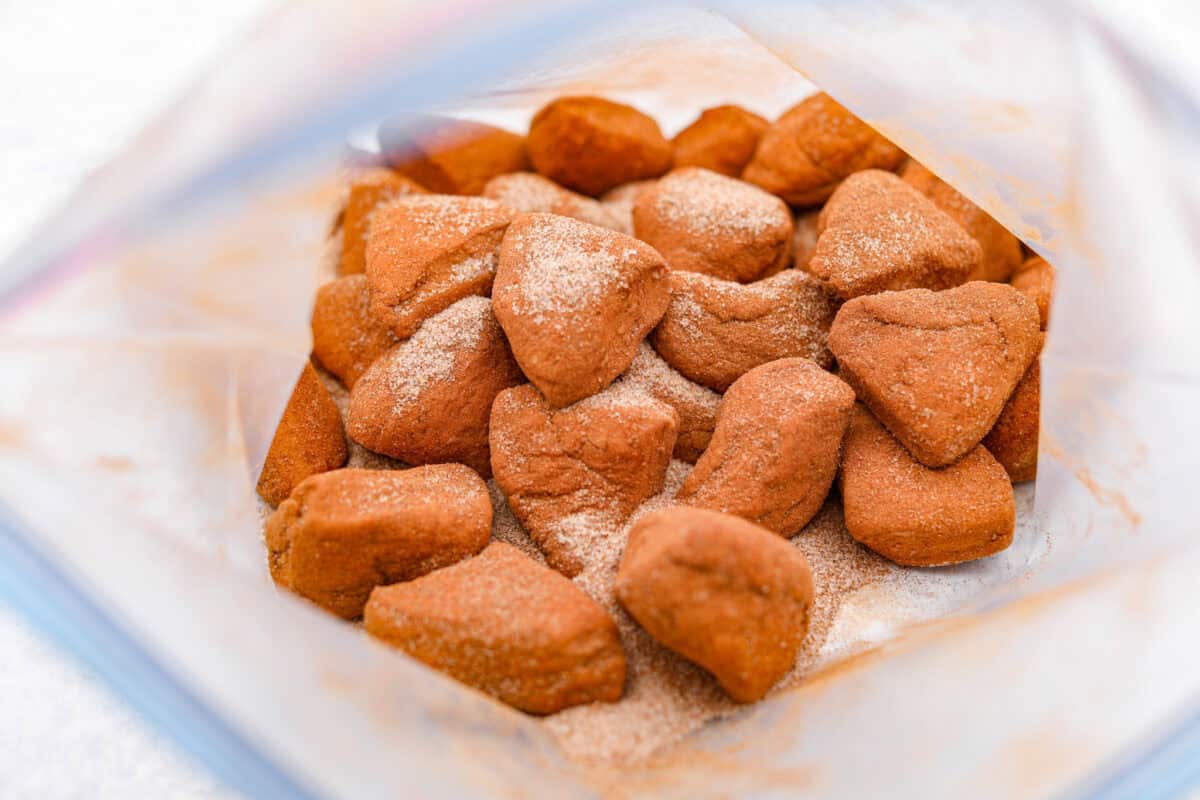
{"points": [[152, 332]]}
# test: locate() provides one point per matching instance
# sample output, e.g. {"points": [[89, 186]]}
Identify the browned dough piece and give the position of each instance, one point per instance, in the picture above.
{"points": [[704, 222], [309, 439], [575, 301], [340, 534], [936, 367], [593, 462], [774, 452], [721, 591], [917, 516], [347, 337], [722, 139], [877, 233], [590, 145], [508, 626], [426, 252], [715, 331], [451, 156], [428, 400], [816, 144]]}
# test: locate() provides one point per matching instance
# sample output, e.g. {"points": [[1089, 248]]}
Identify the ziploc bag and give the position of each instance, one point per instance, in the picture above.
{"points": [[153, 330]]}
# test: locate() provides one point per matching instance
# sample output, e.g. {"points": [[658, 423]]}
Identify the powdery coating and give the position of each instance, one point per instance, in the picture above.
{"points": [[575, 300], [695, 404], [428, 400], [808, 151], [368, 190], [878, 233], [508, 626], [720, 591], [936, 367], [804, 240], [1001, 251], [585, 467], [715, 331], [1035, 280], [704, 222], [619, 202], [309, 439], [918, 516], [347, 337], [427, 252], [774, 452], [342, 533], [722, 139], [451, 156], [590, 145], [1013, 440], [525, 192]]}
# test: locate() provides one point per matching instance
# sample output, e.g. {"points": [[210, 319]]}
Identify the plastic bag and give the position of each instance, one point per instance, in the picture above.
{"points": [[153, 331]]}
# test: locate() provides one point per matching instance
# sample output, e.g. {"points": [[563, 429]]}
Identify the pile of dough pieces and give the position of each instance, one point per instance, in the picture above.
{"points": [[789, 306]]}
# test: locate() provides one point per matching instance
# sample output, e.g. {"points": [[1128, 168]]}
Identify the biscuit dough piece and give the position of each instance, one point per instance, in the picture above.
{"points": [[722, 139], [427, 252], [917, 516], [309, 439], [508, 626], [368, 190], [1013, 440], [450, 156], [527, 192], [695, 404], [723, 592], [347, 337], [598, 460], [575, 301], [877, 233], [715, 331], [937, 367], [590, 145], [704, 222], [1001, 250], [1035, 280], [427, 401], [774, 453], [342, 533], [816, 144]]}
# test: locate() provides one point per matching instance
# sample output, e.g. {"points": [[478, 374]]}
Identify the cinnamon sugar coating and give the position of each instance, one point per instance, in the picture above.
{"points": [[342, 533], [722, 139], [723, 592], [427, 252], [575, 301], [427, 401], [813, 147], [877, 233], [591, 463], [715, 331], [774, 453], [704, 222], [591, 145], [936, 367], [918, 516], [308, 440], [508, 626], [1013, 440]]}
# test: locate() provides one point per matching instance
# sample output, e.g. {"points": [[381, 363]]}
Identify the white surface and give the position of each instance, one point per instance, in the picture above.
{"points": [[76, 80]]}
